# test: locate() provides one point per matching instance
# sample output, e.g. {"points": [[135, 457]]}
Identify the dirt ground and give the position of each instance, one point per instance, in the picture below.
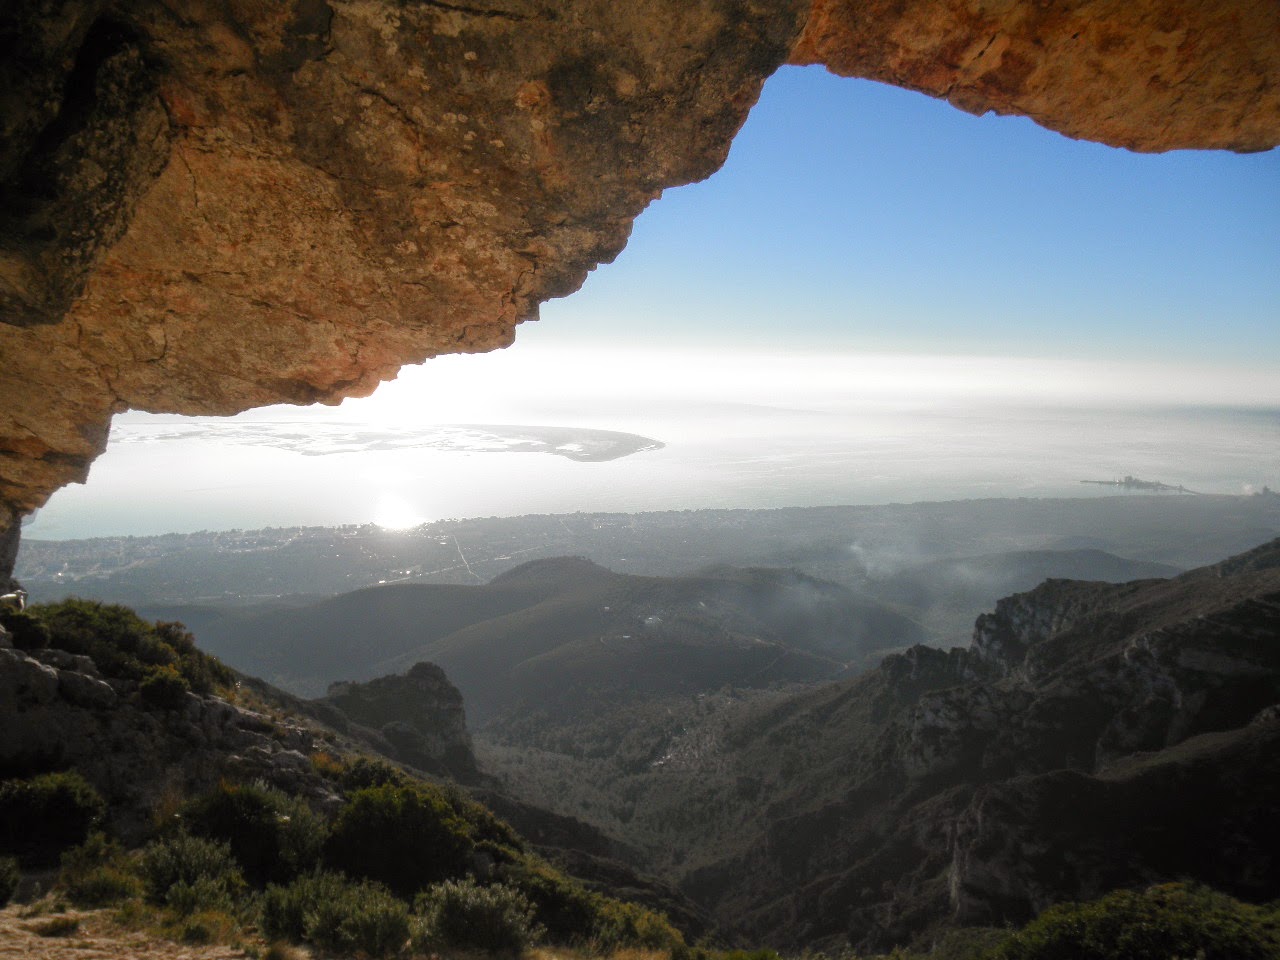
{"points": [[95, 938]]}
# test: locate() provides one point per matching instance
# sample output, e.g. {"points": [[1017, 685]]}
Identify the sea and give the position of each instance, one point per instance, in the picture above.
{"points": [[326, 467]]}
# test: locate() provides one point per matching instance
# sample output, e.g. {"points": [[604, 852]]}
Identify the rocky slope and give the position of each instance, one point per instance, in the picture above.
{"points": [[58, 712], [1091, 736], [230, 206]]}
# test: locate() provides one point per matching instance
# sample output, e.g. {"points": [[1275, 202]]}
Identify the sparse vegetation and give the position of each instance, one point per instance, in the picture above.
{"points": [[44, 815], [123, 645], [58, 927], [98, 874]]}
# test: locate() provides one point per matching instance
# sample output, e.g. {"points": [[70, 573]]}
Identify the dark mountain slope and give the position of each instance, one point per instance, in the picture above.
{"points": [[558, 634], [1092, 735], [308, 646]]}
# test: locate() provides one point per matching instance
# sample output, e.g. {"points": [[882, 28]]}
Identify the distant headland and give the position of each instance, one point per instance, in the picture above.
{"points": [[1147, 486]]}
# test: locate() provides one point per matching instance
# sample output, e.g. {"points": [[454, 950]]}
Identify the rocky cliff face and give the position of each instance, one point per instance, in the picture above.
{"points": [[212, 207], [58, 712], [419, 715], [1092, 736]]}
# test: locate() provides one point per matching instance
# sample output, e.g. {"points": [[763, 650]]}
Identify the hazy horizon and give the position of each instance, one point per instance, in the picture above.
{"points": [[878, 298], [747, 432]]}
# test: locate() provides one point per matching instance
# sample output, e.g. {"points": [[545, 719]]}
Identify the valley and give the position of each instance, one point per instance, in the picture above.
{"points": [[773, 756]]}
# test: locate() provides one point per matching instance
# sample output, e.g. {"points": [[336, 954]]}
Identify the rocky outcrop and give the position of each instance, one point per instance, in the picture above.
{"points": [[1147, 76], [221, 206], [57, 712], [1092, 736], [419, 715]]}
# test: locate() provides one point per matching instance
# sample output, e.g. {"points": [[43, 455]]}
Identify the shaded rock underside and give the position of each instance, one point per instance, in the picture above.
{"points": [[210, 206]]}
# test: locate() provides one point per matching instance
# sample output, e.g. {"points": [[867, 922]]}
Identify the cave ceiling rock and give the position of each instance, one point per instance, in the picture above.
{"points": [[211, 205]]}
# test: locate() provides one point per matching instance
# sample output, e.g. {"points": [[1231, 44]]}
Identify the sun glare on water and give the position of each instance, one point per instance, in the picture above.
{"points": [[397, 513]]}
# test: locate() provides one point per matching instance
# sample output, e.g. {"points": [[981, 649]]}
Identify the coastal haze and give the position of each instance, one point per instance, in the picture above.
{"points": [[546, 433]]}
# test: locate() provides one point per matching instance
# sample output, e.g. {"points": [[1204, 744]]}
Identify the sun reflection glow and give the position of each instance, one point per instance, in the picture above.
{"points": [[397, 513]]}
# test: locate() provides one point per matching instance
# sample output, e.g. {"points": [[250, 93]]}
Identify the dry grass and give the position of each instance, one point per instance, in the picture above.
{"points": [[92, 935]]}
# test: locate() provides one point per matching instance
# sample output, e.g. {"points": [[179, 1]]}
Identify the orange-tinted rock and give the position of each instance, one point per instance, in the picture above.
{"points": [[211, 205], [1132, 73]]}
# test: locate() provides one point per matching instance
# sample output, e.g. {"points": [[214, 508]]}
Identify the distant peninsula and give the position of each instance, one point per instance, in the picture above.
{"points": [[1147, 486], [583, 444]]}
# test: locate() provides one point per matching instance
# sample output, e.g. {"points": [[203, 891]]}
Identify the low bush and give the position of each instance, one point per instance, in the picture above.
{"points": [[364, 772], [58, 927], [274, 837], [163, 688], [1173, 920], [462, 915], [204, 926], [335, 913], [284, 908], [9, 877], [621, 924], [187, 860], [98, 874], [406, 837], [125, 646], [202, 895], [366, 918], [26, 631], [42, 816]]}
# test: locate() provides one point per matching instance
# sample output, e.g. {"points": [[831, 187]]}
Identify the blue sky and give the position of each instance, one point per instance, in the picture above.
{"points": [[853, 215], [869, 262]]}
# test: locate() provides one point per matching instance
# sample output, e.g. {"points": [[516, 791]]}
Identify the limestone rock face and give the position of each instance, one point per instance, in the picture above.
{"points": [[420, 715], [210, 206], [1147, 76], [56, 712]]}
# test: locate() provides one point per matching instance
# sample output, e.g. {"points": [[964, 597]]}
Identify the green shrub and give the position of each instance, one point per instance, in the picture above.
{"points": [[9, 877], [26, 631], [284, 909], [184, 859], [365, 772], [163, 688], [202, 895], [273, 836], [343, 917], [364, 917], [336, 914], [462, 915], [1164, 922], [123, 645], [97, 874], [406, 837], [621, 924], [42, 816], [566, 909]]}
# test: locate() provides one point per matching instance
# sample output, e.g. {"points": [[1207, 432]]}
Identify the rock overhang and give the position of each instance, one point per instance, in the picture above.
{"points": [[213, 206]]}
